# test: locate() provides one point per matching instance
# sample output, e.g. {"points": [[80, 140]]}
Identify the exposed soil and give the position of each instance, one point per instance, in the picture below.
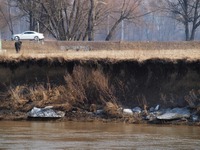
{"points": [[74, 85]]}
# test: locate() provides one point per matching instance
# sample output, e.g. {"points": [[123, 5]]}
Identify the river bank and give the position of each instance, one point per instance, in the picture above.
{"points": [[83, 88], [84, 83]]}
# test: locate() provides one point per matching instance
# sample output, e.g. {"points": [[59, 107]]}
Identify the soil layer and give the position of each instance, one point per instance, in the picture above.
{"points": [[129, 82]]}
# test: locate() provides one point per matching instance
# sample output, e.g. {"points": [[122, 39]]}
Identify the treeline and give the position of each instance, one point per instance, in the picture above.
{"points": [[84, 20]]}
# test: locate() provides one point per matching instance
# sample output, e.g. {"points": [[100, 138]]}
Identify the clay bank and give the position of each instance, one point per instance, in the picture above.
{"points": [[132, 91]]}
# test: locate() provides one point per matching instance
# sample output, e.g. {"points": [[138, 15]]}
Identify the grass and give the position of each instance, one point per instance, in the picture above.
{"points": [[128, 50], [81, 89], [140, 55]]}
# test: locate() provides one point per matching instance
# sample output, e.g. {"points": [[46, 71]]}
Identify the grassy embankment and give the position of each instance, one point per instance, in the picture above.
{"points": [[110, 50]]}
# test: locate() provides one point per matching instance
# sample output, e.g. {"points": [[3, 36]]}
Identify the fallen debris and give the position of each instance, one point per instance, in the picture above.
{"points": [[137, 110], [175, 113], [127, 112], [46, 112]]}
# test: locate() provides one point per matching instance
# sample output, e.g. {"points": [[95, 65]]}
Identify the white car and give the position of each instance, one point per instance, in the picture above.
{"points": [[28, 35]]}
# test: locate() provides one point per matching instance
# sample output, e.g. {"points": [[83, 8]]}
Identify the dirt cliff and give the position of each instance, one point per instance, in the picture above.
{"points": [[132, 83]]}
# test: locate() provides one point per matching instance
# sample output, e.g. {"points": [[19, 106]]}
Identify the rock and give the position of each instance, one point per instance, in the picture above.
{"points": [[137, 110], [46, 112], [153, 115], [127, 111], [157, 108], [151, 109], [176, 113], [99, 112], [195, 118]]}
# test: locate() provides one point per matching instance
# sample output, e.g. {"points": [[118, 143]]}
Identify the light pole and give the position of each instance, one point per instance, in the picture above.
{"points": [[108, 24], [122, 31], [38, 26], [0, 42], [1, 50]]}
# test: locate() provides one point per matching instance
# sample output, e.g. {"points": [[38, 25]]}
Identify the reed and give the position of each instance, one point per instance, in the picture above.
{"points": [[80, 90]]}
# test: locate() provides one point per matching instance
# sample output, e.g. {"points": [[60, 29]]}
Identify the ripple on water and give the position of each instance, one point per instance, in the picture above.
{"points": [[78, 135]]}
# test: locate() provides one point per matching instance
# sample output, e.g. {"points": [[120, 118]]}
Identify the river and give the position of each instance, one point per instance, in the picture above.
{"points": [[86, 135]]}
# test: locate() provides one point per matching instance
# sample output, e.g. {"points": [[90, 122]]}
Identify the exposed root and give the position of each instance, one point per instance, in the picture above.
{"points": [[193, 100]]}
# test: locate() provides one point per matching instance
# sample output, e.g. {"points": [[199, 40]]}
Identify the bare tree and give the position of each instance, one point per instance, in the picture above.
{"points": [[96, 14], [91, 15], [124, 10], [30, 9], [47, 13], [187, 12], [6, 16], [64, 19], [79, 19]]}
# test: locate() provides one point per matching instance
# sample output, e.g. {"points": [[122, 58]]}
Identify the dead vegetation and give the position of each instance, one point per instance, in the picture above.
{"points": [[81, 91], [26, 97], [89, 86], [140, 55], [193, 100], [102, 50], [32, 46]]}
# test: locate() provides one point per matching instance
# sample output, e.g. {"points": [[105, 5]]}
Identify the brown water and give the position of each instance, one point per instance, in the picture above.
{"points": [[80, 135]]}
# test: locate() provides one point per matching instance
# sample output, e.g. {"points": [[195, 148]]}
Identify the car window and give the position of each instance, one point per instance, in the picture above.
{"points": [[28, 32]]}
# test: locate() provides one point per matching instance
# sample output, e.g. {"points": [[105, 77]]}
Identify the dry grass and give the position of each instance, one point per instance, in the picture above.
{"points": [[37, 95], [140, 55], [89, 86], [81, 90], [193, 100], [131, 50]]}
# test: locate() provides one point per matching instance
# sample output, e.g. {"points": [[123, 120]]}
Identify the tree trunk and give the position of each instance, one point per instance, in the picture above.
{"points": [[192, 35], [186, 31], [195, 24], [91, 21], [31, 21], [110, 34]]}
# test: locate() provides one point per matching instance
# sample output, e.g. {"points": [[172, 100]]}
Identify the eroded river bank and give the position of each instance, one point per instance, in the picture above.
{"points": [[81, 88]]}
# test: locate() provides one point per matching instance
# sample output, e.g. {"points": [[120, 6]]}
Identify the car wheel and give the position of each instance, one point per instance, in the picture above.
{"points": [[36, 38], [16, 38]]}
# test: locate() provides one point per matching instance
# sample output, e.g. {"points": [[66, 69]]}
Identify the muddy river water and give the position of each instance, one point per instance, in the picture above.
{"points": [[82, 135]]}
